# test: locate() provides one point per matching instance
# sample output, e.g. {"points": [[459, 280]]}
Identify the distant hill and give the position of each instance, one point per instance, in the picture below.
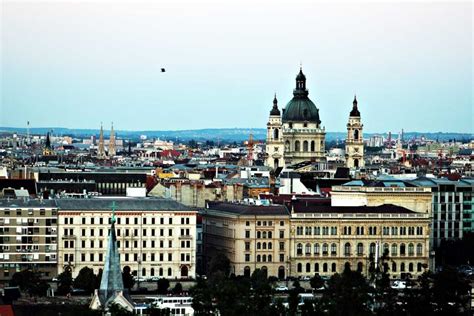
{"points": [[215, 134]]}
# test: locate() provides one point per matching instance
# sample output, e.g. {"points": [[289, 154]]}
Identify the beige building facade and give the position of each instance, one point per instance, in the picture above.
{"points": [[326, 239], [252, 237], [156, 237]]}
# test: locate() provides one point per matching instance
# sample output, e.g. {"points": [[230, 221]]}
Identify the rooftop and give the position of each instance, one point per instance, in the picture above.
{"points": [[247, 209]]}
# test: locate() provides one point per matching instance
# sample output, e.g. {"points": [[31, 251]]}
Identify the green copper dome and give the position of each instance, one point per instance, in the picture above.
{"points": [[301, 108]]}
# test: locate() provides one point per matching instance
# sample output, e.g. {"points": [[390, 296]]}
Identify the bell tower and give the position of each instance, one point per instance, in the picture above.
{"points": [[354, 139], [274, 147]]}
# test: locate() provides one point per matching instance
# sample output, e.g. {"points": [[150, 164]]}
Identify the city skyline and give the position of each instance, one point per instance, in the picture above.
{"points": [[408, 63]]}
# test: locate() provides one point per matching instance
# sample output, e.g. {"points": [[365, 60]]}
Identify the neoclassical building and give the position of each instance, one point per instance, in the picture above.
{"points": [[296, 135]]}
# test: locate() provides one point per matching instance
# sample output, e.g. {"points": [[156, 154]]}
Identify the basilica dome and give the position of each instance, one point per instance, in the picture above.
{"points": [[301, 108]]}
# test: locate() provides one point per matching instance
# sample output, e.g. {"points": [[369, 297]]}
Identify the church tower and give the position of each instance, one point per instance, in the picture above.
{"points": [[274, 146], [48, 149], [354, 140], [112, 151], [101, 148]]}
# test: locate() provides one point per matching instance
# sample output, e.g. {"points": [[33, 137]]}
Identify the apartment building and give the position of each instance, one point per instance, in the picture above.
{"points": [[28, 237]]}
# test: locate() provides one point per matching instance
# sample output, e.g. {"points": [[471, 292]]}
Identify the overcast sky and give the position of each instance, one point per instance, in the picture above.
{"points": [[77, 63]]}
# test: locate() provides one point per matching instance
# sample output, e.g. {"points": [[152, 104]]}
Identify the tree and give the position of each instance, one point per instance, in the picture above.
{"points": [[31, 282], [117, 310], [65, 281], [86, 280], [163, 285], [347, 294], [450, 292], [316, 281], [127, 277], [178, 288], [262, 292], [219, 262], [202, 298]]}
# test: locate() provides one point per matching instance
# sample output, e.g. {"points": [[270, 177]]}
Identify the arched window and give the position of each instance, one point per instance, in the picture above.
{"points": [[259, 245], [247, 272], [333, 249], [394, 267], [419, 250], [308, 267], [347, 249], [325, 267], [308, 249], [269, 234], [305, 146], [333, 267], [287, 146], [312, 146], [264, 234], [325, 249], [402, 250], [152, 272], [316, 267], [410, 267], [360, 249], [394, 249], [269, 245], [299, 267], [385, 249], [160, 271], [143, 272], [402, 267], [299, 249], [264, 245], [269, 258], [170, 273], [275, 134], [259, 234], [316, 249], [258, 258], [356, 134], [372, 248], [264, 258], [411, 249], [360, 266], [419, 267], [297, 145]]}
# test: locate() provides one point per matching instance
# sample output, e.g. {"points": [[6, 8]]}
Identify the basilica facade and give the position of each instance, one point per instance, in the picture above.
{"points": [[296, 135]]}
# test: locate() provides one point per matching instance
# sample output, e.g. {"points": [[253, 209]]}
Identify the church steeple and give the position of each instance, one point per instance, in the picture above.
{"points": [[275, 110], [112, 150], [48, 142], [355, 109], [111, 288], [101, 148]]}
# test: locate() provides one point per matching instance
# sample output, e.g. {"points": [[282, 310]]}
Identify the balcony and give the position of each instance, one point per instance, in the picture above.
{"points": [[185, 237], [69, 237]]}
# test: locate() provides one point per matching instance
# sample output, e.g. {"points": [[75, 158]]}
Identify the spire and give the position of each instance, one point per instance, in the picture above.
{"points": [[300, 84], [275, 110], [355, 109], [111, 283], [101, 149], [48, 141], [112, 150]]}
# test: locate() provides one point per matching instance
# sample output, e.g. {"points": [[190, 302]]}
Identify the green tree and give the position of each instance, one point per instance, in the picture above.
{"points": [[202, 298], [294, 298], [65, 281], [316, 281], [347, 294], [127, 277], [86, 280], [178, 288], [30, 282], [450, 292], [117, 310], [163, 285], [219, 262], [261, 297]]}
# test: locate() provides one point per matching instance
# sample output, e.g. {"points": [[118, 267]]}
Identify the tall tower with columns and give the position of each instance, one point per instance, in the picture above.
{"points": [[354, 139], [112, 150], [274, 146]]}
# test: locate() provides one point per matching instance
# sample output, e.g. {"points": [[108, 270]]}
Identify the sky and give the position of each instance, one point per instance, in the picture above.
{"points": [[79, 63]]}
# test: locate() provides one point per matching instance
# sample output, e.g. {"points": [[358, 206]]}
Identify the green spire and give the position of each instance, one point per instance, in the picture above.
{"points": [[113, 212]]}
